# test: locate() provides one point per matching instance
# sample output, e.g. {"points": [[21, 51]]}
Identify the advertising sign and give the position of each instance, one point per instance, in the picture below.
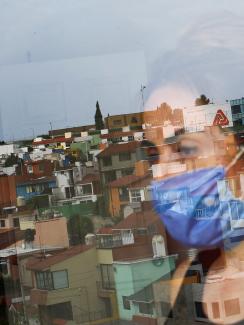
{"points": [[197, 117]]}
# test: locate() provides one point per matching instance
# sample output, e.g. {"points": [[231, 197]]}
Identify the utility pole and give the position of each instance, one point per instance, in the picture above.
{"points": [[142, 96], [51, 126]]}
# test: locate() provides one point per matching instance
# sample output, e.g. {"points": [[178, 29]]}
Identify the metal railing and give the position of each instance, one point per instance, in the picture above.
{"points": [[105, 285]]}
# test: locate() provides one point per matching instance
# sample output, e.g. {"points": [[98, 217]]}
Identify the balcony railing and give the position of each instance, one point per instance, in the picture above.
{"points": [[105, 285], [109, 241]]}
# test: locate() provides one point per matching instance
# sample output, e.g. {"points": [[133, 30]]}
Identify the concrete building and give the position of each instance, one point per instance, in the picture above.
{"points": [[7, 191], [8, 149], [28, 186], [89, 188], [237, 109], [122, 120], [65, 286], [117, 160], [131, 276]]}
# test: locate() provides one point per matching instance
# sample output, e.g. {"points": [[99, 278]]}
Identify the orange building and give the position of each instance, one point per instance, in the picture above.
{"points": [[7, 191]]}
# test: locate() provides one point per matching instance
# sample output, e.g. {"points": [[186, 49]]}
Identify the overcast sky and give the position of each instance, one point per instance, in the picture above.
{"points": [[185, 48]]}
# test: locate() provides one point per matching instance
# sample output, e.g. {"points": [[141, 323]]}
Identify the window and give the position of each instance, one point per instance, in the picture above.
{"points": [[232, 307], [135, 195], [52, 280], [39, 188], [134, 119], [127, 237], [236, 109], [29, 189], [237, 122], [107, 161], [60, 279], [2, 223], [44, 280], [69, 192], [117, 122], [61, 311], [201, 309], [141, 231], [158, 246], [215, 309], [16, 222], [123, 194], [3, 266], [166, 310], [30, 169], [124, 156], [107, 275], [145, 308], [87, 189], [127, 171], [126, 303]]}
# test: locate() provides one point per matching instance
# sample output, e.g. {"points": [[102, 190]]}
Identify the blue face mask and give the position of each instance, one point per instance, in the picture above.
{"points": [[192, 209]]}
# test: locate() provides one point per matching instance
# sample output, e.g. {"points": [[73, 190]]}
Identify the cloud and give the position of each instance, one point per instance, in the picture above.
{"points": [[209, 58]]}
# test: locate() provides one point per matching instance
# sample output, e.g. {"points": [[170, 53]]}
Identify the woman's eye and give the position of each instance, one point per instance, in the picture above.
{"points": [[188, 150]]}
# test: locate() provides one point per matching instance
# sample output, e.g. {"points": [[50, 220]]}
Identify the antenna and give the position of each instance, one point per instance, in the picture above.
{"points": [[142, 96]]}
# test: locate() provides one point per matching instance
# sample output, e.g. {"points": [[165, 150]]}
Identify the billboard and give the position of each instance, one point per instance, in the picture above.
{"points": [[197, 117]]}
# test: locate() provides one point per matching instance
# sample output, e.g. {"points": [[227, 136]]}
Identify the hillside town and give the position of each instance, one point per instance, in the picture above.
{"points": [[81, 241]]}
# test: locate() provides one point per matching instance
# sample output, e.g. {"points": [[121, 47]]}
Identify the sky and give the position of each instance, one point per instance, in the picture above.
{"points": [[177, 49]]}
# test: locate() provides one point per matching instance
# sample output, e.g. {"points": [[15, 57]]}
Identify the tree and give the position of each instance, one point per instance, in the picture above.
{"points": [[78, 228], [11, 160], [202, 100], [29, 235], [98, 118]]}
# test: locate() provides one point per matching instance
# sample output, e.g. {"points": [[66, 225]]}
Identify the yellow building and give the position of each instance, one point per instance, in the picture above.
{"points": [[65, 286], [122, 120]]}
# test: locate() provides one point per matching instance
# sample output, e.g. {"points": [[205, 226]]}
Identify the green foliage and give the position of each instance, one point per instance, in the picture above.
{"points": [[98, 118], [38, 201], [29, 235], [202, 100], [11, 160], [78, 228]]}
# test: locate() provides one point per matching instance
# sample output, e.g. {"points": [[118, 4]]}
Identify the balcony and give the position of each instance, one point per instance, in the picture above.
{"points": [[38, 297], [105, 288], [109, 241]]}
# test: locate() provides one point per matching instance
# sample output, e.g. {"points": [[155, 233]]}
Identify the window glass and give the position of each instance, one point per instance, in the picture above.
{"points": [[145, 308], [60, 279], [2, 223], [135, 195], [126, 303], [201, 309], [123, 156]]}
